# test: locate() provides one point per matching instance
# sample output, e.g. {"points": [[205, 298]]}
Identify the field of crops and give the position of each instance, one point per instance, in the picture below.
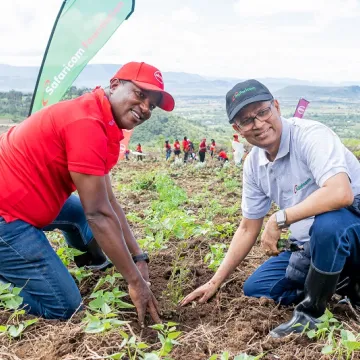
{"points": [[184, 216]]}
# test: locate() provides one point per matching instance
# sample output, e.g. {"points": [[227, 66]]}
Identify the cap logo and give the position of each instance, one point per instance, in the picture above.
{"points": [[158, 77], [238, 93]]}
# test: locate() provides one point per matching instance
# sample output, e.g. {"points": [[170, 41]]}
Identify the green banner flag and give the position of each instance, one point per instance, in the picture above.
{"points": [[81, 29]]}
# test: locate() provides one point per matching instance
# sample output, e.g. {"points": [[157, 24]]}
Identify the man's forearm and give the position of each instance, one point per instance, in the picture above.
{"points": [[322, 200], [107, 232], [133, 246], [240, 246]]}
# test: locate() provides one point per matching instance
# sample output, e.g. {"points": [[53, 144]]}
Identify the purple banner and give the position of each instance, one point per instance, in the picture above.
{"points": [[301, 107]]}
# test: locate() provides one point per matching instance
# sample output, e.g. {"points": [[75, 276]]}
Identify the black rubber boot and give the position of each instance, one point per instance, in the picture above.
{"points": [[318, 289], [350, 291], [93, 258]]}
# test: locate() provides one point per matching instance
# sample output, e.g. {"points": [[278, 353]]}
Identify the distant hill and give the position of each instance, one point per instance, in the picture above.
{"points": [[320, 93], [23, 78]]}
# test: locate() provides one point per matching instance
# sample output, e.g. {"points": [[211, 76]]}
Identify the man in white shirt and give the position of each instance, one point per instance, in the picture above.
{"points": [[303, 167]]}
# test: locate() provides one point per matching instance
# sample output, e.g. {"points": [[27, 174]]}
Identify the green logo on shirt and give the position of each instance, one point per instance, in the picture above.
{"points": [[301, 186]]}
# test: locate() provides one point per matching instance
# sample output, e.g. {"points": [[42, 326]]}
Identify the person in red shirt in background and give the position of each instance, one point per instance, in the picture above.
{"points": [[139, 150], [70, 146], [223, 156], [168, 150], [202, 150], [185, 146], [212, 148], [177, 148]]}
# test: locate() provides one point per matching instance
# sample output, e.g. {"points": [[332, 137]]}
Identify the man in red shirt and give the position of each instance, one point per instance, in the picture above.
{"points": [[185, 146], [202, 150], [70, 146], [223, 156], [177, 148]]}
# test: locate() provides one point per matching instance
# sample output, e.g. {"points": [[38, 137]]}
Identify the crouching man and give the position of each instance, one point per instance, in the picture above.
{"points": [[71, 146], [303, 167]]}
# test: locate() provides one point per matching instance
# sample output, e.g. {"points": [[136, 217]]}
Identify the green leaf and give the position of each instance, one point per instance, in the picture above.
{"points": [[123, 305], [174, 335], [213, 357], [3, 328], [116, 356], [16, 331], [327, 349], [142, 345], [157, 327], [91, 329], [351, 345], [225, 356], [4, 287], [106, 309], [171, 323], [97, 303], [311, 334]]}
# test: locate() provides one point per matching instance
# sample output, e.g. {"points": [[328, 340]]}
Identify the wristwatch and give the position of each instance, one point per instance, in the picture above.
{"points": [[141, 257], [281, 219]]}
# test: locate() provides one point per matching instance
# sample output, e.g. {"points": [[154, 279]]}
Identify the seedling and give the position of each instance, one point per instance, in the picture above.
{"points": [[339, 343], [215, 256], [9, 297], [80, 273], [66, 254]]}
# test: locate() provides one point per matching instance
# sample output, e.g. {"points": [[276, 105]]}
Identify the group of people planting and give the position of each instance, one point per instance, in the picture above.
{"points": [[188, 149], [300, 165]]}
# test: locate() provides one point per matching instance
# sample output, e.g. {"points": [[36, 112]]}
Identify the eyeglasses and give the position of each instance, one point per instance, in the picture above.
{"points": [[246, 124]]}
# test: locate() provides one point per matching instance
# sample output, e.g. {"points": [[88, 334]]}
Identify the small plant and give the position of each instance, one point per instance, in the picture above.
{"points": [[167, 335], [179, 275], [9, 297], [108, 279], [108, 300], [15, 330], [66, 254], [215, 256], [132, 349], [80, 273], [11, 300], [339, 343], [101, 321]]}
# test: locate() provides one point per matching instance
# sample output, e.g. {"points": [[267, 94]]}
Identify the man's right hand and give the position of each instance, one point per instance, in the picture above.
{"points": [[204, 292], [144, 300]]}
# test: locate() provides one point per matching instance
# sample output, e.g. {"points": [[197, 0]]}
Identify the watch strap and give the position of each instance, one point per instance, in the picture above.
{"points": [[141, 257]]}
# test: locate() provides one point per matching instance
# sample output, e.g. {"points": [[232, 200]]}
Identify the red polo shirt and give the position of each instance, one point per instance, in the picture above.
{"points": [[36, 156]]}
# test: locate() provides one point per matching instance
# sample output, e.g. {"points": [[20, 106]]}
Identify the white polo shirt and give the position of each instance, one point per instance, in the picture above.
{"points": [[310, 153]]}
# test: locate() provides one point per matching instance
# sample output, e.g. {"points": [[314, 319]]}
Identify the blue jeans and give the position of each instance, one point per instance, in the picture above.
{"points": [[28, 261], [168, 154], [335, 248]]}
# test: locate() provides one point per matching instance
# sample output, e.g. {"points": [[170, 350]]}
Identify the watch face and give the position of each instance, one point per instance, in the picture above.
{"points": [[280, 218]]}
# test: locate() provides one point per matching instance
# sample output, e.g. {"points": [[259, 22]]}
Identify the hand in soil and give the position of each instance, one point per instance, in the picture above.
{"points": [[144, 300], [144, 270], [204, 292], [270, 237]]}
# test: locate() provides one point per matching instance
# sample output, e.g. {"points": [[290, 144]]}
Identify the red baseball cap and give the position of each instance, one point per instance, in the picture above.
{"points": [[146, 77]]}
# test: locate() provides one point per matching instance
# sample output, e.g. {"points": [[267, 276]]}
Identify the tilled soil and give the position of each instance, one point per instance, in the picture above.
{"points": [[229, 321]]}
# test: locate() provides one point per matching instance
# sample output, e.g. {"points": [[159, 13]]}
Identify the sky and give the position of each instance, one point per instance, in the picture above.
{"points": [[316, 40]]}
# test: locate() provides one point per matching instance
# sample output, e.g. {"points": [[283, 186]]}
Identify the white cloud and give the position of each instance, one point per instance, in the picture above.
{"points": [[185, 15], [209, 37]]}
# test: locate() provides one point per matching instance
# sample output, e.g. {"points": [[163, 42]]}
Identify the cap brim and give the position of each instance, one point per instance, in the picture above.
{"points": [[167, 102], [261, 97]]}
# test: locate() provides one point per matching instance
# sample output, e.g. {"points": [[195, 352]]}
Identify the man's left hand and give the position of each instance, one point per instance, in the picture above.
{"points": [[271, 236], [144, 270]]}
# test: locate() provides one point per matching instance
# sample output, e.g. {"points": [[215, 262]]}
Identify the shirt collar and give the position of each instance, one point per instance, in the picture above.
{"points": [[284, 144]]}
